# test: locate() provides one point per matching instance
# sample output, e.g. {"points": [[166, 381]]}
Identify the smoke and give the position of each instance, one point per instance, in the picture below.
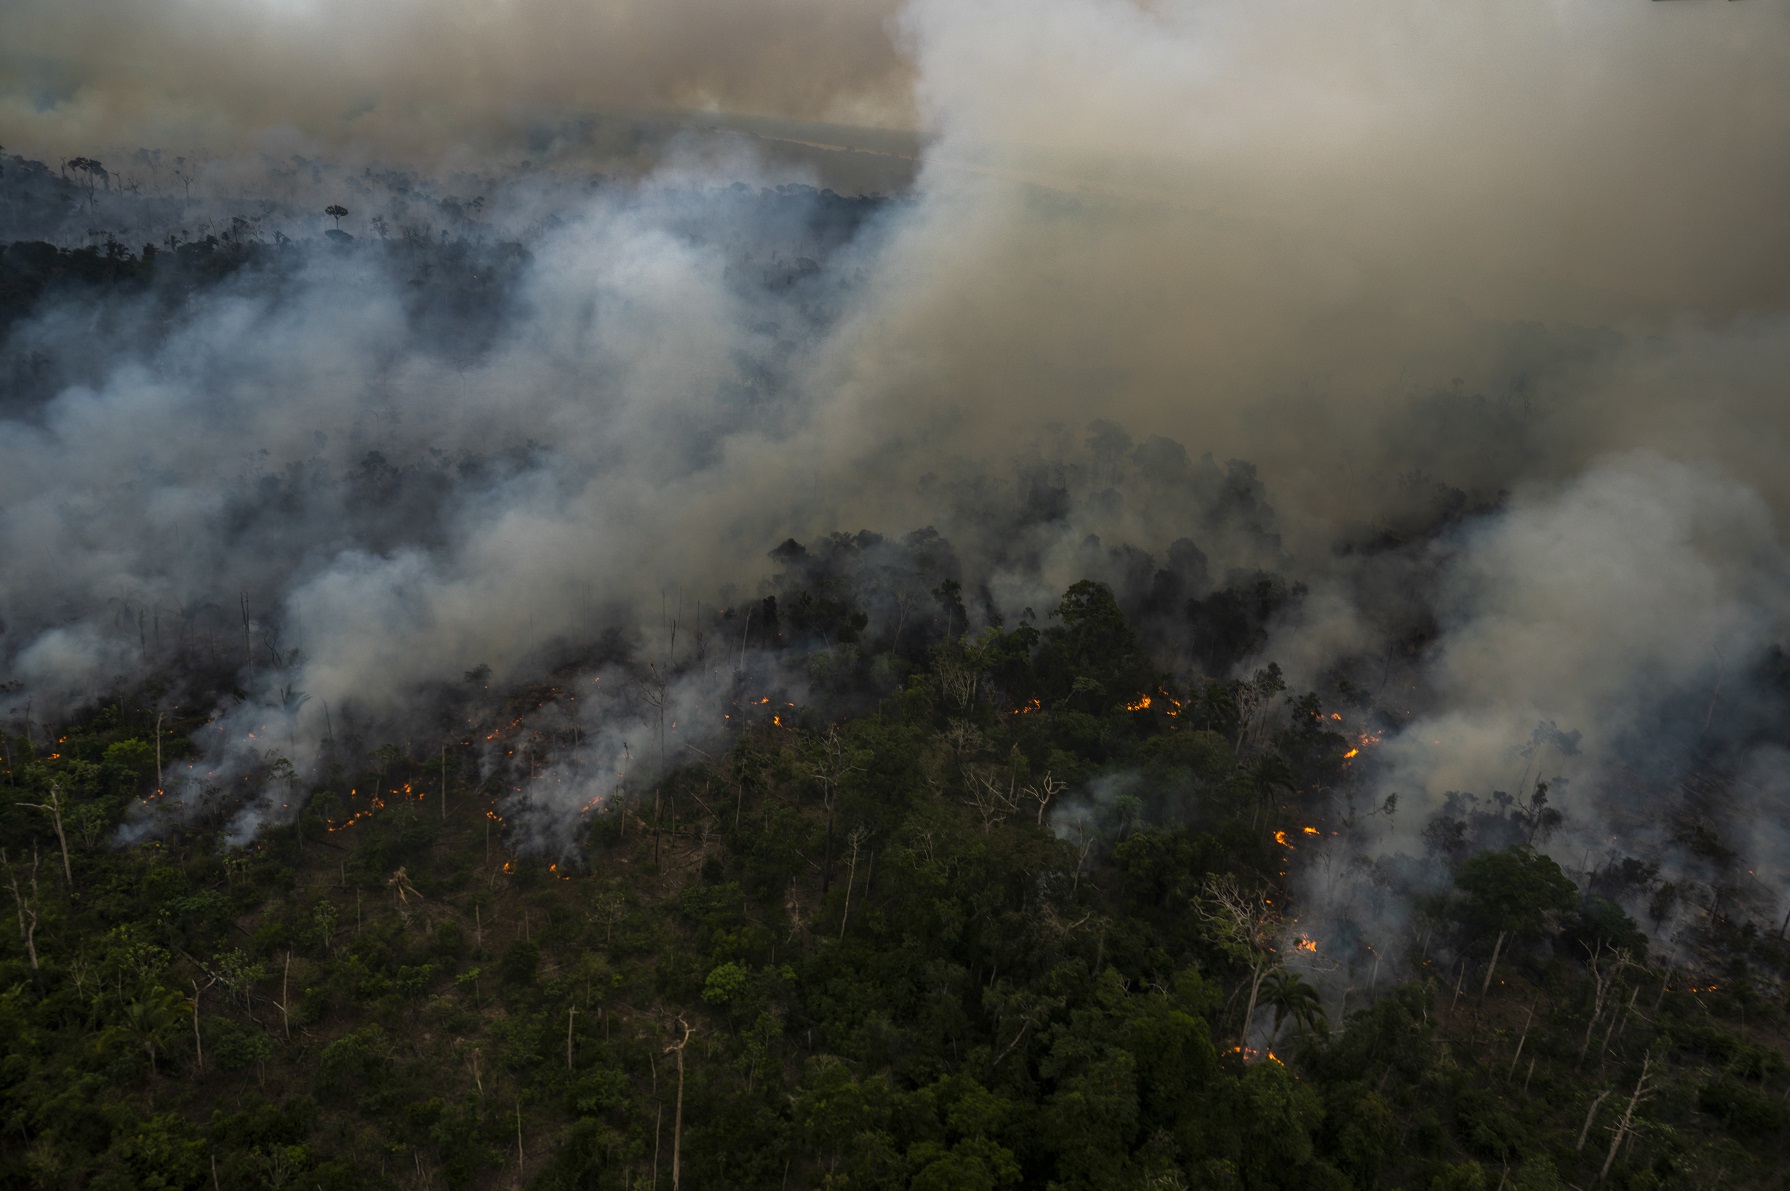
{"points": [[425, 81], [1587, 636], [1596, 607], [1502, 287]]}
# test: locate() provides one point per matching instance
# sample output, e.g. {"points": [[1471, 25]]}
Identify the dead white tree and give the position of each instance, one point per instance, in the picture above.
{"points": [[1606, 965], [1244, 925], [1623, 1126], [54, 809], [1523, 1038], [958, 680], [285, 985], [855, 840], [198, 1038], [1084, 843], [1042, 792], [677, 1120], [1591, 1115], [655, 688], [993, 798], [27, 911], [830, 769]]}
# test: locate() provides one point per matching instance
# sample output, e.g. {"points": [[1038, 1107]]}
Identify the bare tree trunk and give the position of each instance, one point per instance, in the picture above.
{"points": [[1628, 1114], [27, 913], [54, 807], [826, 852], [248, 645], [198, 1039], [158, 752], [677, 1125], [1493, 966], [1255, 987], [571, 1015], [1586, 1131], [1523, 1039], [856, 840], [1616, 1020], [677, 1122]]}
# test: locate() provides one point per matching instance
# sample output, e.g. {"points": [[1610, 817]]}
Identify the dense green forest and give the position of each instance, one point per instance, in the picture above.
{"points": [[904, 942]]}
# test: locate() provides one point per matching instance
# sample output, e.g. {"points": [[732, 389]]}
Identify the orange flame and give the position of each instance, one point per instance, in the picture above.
{"points": [[1143, 702], [1280, 837], [1310, 831]]}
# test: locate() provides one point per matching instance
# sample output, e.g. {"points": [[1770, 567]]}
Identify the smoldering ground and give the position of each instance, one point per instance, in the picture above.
{"points": [[1492, 301]]}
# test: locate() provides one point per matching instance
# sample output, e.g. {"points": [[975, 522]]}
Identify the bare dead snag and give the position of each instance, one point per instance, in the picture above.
{"points": [[1586, 1130], [1042, 792], [1524, 1038], [856, 839], [1493, 966], [677, 1122], [54, 809], [1622, 1128], [198, 1039], [27, 912]]}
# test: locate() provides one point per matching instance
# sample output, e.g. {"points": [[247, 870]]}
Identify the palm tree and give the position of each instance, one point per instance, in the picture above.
{"points": [[1290, 995], [1263, 775], [146, 1020], [1217, 706]]}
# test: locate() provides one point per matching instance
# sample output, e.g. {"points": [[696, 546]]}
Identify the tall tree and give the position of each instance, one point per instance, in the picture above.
{"points": [[1512, 893]]}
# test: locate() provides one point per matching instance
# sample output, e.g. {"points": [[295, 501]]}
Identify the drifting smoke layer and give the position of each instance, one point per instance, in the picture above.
{"points": [[415, 79], [1273, 231], [1598, 643]]}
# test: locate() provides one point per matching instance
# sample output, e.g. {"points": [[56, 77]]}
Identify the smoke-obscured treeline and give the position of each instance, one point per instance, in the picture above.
{"points": [[926, 909]]}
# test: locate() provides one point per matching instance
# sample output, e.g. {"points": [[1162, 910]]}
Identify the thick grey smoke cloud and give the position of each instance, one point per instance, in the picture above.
{"points": [[1590, 605], [1600, 635], [1278, 231]]}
